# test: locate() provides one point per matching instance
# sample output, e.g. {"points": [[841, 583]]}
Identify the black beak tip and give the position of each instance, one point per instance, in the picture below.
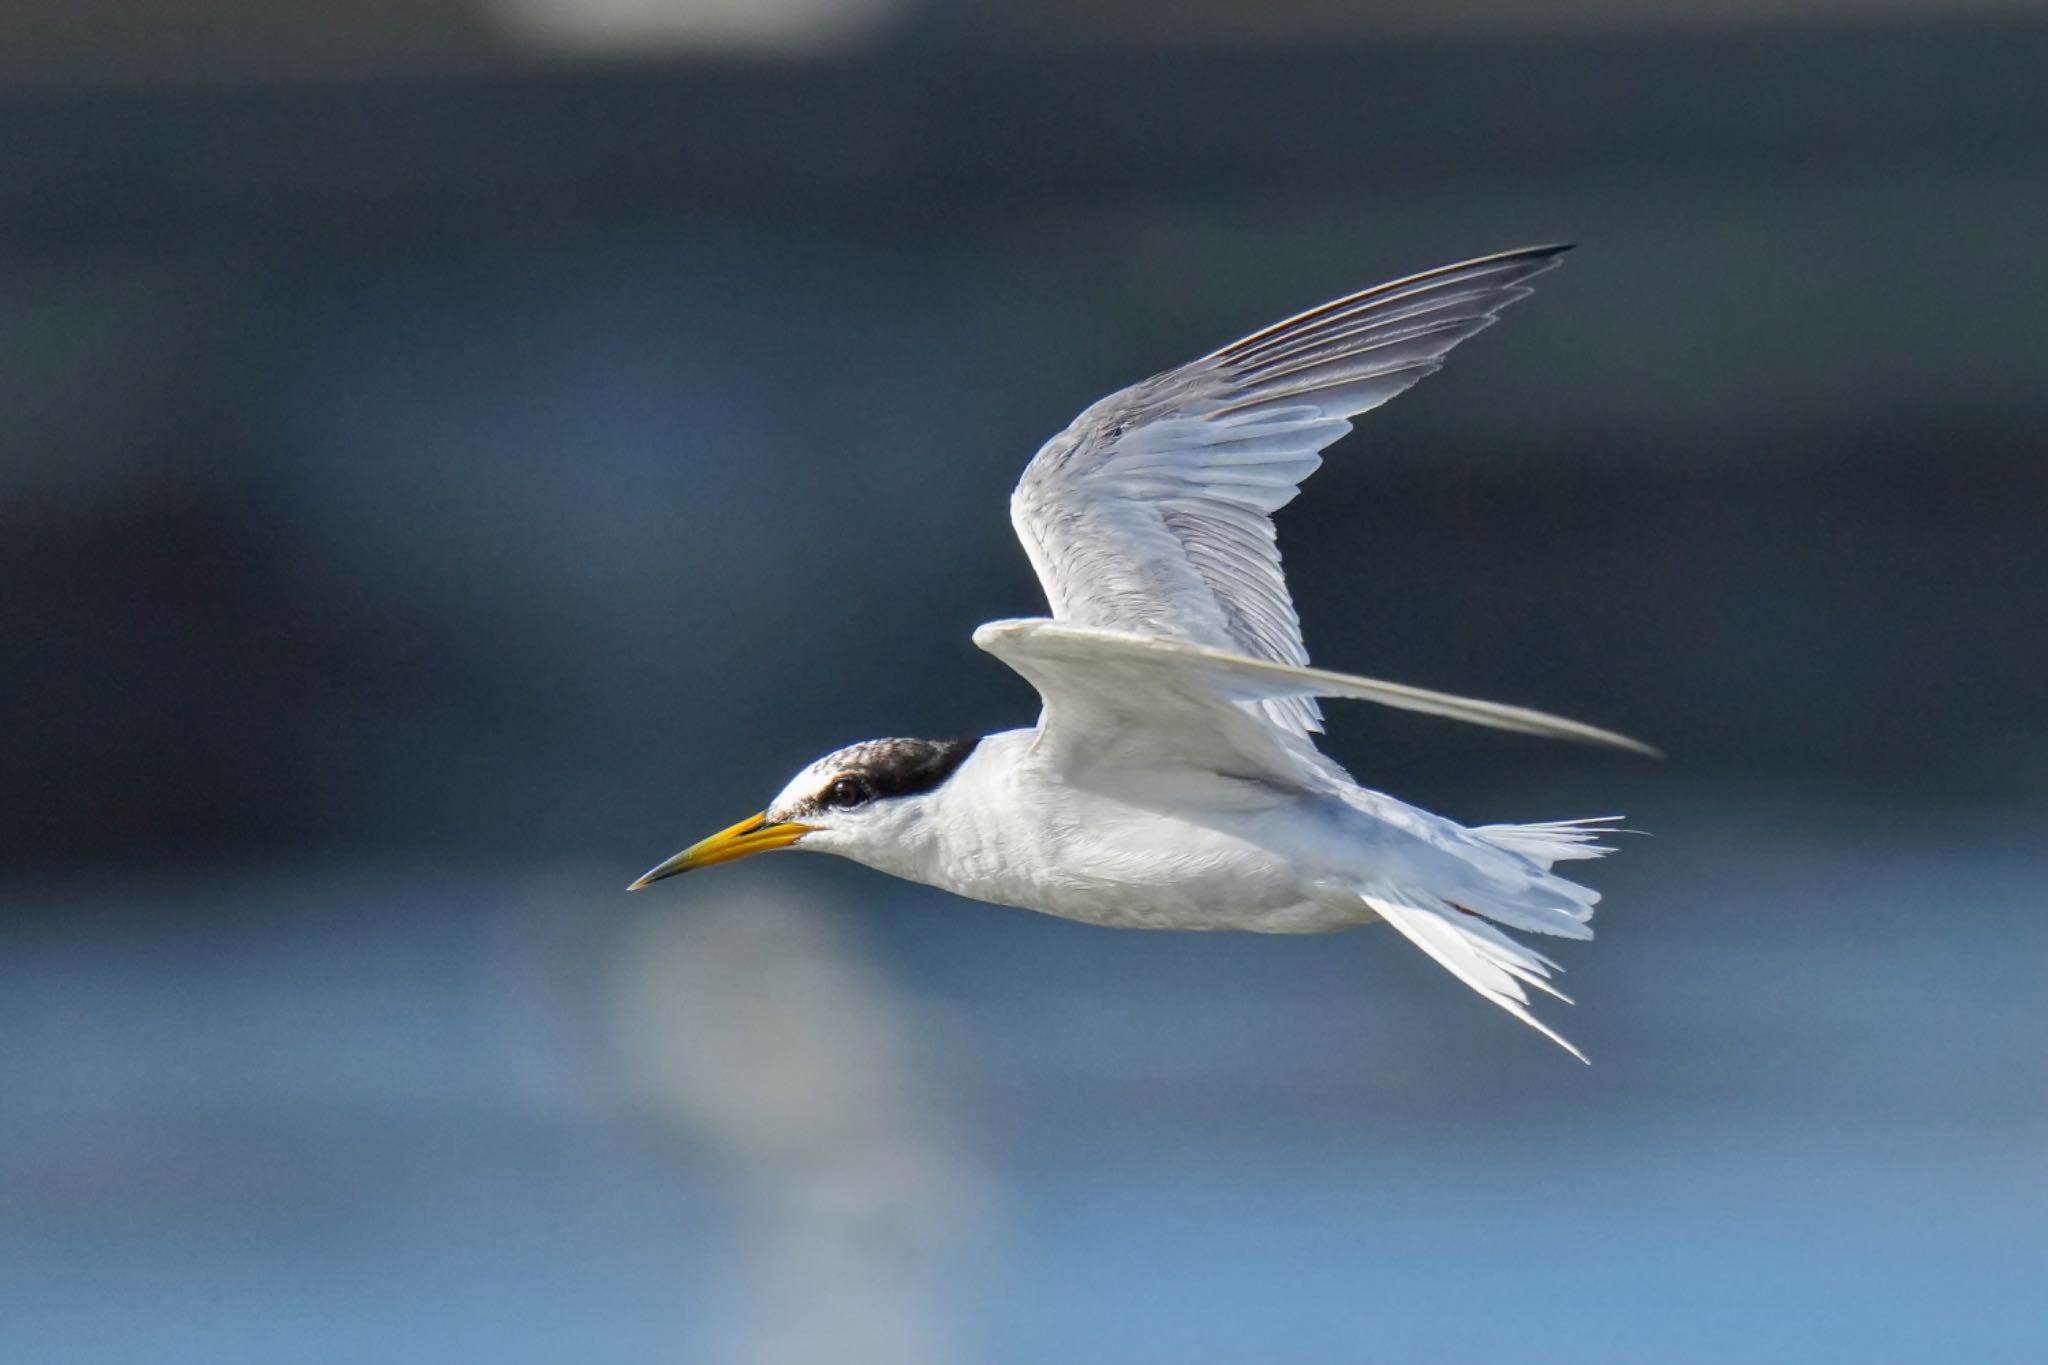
{"points": [[653, 875]]}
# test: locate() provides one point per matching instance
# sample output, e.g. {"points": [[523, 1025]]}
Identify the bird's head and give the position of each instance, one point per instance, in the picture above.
{"points": [[858, 802]]}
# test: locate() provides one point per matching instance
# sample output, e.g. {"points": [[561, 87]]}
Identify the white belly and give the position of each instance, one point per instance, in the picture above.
{"points": [[1243, 863]]}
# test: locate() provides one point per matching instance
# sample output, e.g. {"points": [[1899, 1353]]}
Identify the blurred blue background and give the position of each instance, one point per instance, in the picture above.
{"points": [[453, 454]]}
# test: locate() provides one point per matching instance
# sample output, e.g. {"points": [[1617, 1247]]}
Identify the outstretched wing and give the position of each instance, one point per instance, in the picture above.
{"points": [[1152, 512], [1118, 699]]}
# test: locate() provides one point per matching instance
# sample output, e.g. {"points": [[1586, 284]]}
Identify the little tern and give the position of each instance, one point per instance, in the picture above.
{"points": [[1173, 780]]}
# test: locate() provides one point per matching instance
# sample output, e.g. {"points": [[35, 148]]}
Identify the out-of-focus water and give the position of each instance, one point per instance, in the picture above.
{"points": [[793, 1112]]}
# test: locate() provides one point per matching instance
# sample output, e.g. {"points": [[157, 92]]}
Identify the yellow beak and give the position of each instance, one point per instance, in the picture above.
{"points": [[750, 836]]}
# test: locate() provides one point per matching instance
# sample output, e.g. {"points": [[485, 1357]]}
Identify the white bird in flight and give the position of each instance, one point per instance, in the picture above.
{"points": [[1172, 780]]}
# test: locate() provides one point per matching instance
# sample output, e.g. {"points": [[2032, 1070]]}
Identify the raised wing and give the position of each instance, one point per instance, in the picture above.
{"points": [[1152, 512], [1116, 698]]}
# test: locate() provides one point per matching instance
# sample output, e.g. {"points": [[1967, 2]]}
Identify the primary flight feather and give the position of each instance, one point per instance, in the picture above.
{"points": [[1172, 780]]}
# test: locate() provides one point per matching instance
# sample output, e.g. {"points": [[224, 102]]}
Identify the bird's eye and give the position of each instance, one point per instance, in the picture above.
{"points": [[847, 792]]}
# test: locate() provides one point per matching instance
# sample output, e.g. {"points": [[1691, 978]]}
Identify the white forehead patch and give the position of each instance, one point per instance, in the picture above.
{"points": [[808, 783]]}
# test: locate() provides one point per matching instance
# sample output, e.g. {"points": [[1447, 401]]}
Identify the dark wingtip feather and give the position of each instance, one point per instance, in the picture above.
{"points": [[1518, 264]]}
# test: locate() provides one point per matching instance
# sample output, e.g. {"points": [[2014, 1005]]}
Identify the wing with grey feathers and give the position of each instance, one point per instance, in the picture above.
{"points": [[1152, 512], [1113, 697]]}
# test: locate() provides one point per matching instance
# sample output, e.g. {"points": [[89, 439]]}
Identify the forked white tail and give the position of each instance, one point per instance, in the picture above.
{"points": [[1457, 935]]}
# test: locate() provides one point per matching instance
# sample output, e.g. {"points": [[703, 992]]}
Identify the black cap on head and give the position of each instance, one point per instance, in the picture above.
{"points": [[904, 767]]}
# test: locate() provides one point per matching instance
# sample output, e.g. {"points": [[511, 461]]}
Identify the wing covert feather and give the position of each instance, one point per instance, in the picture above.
{"points": [[1110, 694]]}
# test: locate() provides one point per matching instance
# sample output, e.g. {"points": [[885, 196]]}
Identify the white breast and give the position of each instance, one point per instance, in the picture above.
{"points": [[1199, 852]]}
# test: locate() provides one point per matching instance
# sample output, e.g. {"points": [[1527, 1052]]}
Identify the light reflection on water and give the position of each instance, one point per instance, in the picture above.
{"points": [[377, 1114]]}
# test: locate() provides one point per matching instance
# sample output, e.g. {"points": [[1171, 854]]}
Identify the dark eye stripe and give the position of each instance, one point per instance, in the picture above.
{"points": [[907, 767], [884, 768]]}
